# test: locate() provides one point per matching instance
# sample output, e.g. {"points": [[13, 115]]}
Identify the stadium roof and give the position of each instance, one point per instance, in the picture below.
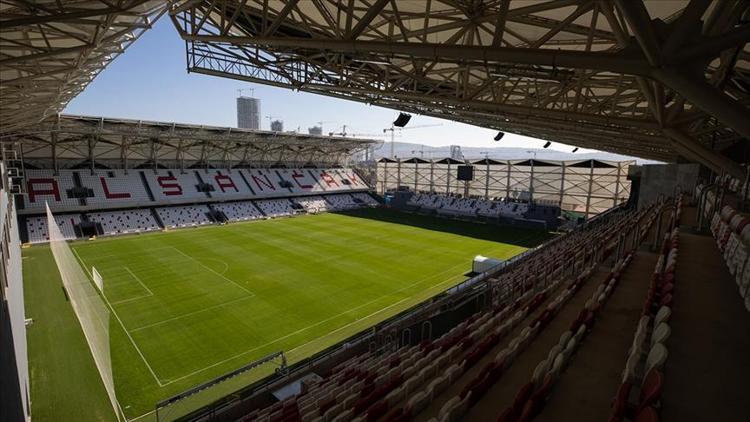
{"points": [[50, 50], [655, 79], [130, 143]]}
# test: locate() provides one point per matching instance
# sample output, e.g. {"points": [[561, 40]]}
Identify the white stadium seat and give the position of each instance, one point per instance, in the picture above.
{"points": [[185, 216]]}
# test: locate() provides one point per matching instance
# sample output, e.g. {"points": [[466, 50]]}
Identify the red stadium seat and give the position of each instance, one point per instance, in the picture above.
{"points": [[651, 389], [648, 414]]}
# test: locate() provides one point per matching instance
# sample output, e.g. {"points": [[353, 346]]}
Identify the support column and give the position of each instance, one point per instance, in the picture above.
{"points": [[507, 182], [398, 174], [562, 184], [55, 164], [448, 179], [90, 144], [617, 184], [591, 185], [385, 177], [124, 154], [416, 175], [531, 183], [487, 181], [432, 175]]}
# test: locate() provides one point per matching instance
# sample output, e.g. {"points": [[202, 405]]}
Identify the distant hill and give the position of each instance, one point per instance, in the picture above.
{"points": [[408, 150]]}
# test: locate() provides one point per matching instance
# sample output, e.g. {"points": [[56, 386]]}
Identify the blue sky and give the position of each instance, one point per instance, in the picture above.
{"points": [[150, 82]]}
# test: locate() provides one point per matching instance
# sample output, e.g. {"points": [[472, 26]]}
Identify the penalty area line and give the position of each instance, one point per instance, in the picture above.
{"points": [[213, 271], [112, 309], [317, 324]]}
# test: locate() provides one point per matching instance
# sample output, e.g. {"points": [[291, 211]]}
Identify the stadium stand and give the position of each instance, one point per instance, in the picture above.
{"points": [[173, 187], [504, 210], [342, 201], [184, 216], [275, 207], [364, 199], [313, 204], [453, 205], [223, 184], [140, 220], [125, 222], [43, 186], [37, 227], [83, 190], [114, 188], [239, 211]]}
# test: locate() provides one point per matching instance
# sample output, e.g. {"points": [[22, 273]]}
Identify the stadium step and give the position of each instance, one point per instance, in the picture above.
{"points": [[458, 385], [147, 188], [502, 393], [584, 391], [156, 217], [710, 342]]}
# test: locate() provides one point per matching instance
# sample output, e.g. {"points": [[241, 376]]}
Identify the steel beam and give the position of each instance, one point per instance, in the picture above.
{"points": [[612, 62], [693, 150], [708, 99]]}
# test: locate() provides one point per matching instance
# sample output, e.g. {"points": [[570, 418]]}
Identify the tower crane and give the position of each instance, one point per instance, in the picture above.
{"points": [[393, 130], [345, 133], [320, 124]]}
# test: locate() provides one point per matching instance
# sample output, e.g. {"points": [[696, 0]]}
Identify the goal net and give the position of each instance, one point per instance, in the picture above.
{"points": [[92, 313]]}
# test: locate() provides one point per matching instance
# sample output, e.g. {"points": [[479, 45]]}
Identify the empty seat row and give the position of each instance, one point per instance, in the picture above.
{"points": [[642, 378], [342, 202], [455, 205], [275, 207], [36, 227], [238, 211], [124, 222], [142, 220], [184, 216], [531, 397], [313, 204], [731, 230]]}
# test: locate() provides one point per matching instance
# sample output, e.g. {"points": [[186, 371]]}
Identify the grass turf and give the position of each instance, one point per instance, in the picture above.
{"points": [[190, 305]]}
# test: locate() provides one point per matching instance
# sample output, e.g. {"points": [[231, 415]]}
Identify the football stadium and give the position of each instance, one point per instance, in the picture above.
{"points": [[164, 271]]}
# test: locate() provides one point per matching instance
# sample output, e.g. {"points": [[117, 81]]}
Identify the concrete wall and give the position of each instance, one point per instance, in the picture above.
{"points": [[661, 179]]}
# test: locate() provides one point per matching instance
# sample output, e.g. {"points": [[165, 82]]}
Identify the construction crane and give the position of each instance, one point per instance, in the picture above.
{"points": [[320, 124], [393, 130], [252, 91], [270, 119], [345, 133]]}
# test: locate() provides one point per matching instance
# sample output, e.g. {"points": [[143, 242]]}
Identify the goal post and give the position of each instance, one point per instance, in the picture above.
{"points": [[97, 279], [90, 310]]}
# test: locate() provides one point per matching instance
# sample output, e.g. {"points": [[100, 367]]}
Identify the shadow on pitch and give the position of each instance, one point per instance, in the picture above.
{"points": [[524, 237]]}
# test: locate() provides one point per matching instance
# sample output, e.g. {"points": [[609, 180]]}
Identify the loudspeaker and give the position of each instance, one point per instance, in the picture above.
{"points": [[465, 173], [402, 120]]}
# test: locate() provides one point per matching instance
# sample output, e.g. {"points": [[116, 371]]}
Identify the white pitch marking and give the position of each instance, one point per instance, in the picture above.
{"points": [[120, 321], [150, 293], [131, 299], [315, 325], [229, 302], [213, 271]]}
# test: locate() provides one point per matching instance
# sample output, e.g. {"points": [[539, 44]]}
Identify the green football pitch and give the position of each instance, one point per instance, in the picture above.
{"points": [[190, 305]]}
